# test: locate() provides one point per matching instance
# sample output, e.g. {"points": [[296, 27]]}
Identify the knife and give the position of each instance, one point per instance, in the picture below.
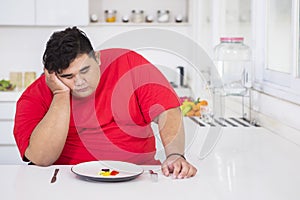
{"points": [[53, 179]]}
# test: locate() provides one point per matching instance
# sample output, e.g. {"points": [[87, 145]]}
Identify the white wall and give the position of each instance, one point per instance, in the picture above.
{"points": [[22, 47]]}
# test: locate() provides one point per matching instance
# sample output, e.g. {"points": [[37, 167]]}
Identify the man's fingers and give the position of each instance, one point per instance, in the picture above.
{"points": [[187, 171], [165, 169], [179, 167], [184, 170]]}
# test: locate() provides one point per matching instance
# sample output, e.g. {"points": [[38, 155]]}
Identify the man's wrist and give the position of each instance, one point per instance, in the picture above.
{"points": [[176, 154], [60, 91]]}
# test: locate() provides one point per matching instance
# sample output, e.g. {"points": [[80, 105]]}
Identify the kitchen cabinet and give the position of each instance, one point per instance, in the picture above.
{"points": [[9, 153], [67, 13], [15, 12], [44, 13]]}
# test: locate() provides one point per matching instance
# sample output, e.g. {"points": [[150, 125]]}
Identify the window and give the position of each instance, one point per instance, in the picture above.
{"points": [[277, 46], [279, 31]]}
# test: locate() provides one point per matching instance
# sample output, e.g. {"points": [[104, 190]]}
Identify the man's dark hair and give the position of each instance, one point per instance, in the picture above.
{"points": [[63, 47]]}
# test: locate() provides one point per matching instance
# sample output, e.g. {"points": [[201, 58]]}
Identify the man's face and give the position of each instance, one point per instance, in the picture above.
{"points": [[82, 76]]}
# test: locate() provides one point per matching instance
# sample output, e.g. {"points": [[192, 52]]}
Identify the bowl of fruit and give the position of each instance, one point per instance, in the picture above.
{"points": [[193, 108]]}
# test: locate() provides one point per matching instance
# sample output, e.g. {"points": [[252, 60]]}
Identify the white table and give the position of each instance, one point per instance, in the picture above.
{"points": [[247, 164]]}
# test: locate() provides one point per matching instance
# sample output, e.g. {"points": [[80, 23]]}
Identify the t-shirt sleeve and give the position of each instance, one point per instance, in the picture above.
{"points": [[30, 110], [153, 91]]}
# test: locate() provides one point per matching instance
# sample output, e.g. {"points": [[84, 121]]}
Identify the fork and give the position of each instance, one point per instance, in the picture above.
{"points": [[153, 175]]}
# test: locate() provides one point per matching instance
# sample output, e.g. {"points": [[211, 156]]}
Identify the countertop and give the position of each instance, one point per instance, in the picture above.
{"points": [[247, 163]]}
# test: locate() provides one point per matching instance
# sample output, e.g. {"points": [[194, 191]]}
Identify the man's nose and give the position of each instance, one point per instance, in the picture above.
{"points": [[78, 80]]}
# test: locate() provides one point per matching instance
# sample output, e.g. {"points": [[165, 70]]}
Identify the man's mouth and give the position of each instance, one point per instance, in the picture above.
{"points": [[82, 89]]}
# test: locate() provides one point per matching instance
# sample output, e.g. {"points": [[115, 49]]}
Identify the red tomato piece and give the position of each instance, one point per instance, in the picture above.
{"points": [[113, 173]]}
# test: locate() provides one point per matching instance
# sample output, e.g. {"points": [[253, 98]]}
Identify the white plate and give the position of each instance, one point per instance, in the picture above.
{"points": [[90, 170]]}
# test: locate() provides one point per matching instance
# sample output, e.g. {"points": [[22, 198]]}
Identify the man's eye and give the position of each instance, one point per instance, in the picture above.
{"points": [[84, 70], [69, 77]]}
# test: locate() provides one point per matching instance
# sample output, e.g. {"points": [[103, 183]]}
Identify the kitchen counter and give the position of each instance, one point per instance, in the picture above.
{"points": [[247, 163]]}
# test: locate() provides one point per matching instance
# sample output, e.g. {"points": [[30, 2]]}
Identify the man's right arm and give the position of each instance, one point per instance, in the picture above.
{"points": [[49, 136]]}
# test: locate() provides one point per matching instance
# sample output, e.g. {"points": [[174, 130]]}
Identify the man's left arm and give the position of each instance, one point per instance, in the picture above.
{"points": [[171, 130]]}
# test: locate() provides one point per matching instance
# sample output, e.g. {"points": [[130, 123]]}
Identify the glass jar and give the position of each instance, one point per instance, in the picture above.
{"points": [[16, 78], [178, 18], [29, 77], [110, 15], [125, 19], [137, 16], [149, 18], [163, 16], [233, 61], [94, 18]]}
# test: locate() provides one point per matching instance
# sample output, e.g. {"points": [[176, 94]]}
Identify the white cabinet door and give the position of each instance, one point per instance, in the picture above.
{"points": [[10, 155], [8, 110], [6, 133], [16, 12], [57, 12]]}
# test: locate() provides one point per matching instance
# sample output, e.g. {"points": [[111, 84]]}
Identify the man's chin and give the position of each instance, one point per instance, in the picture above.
{"points": [[81, 94]]}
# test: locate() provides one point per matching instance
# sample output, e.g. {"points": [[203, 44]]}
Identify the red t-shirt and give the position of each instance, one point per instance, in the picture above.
{"points": [[114, 123]]}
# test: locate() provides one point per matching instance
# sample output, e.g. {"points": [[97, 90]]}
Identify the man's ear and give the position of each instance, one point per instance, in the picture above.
{"points": [[97, 56]]}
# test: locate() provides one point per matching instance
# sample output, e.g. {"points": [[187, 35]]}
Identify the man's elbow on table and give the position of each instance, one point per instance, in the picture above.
{"points": [[39, 158]]}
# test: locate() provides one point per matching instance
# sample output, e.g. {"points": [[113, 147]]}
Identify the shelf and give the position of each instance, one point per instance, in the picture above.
{"points": [[124, 8], [139, 24]]}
